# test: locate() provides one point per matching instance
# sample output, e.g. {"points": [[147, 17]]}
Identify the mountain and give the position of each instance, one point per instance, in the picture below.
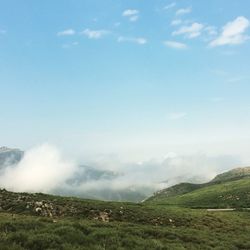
{"points": [[228, 190], [234, 174], [9, 156]]}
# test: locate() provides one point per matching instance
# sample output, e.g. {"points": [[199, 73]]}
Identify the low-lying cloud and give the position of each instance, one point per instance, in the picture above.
{"points": [[41, 170], [45, 169]]}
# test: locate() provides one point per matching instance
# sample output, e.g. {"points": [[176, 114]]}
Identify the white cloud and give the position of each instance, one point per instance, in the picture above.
{"points": [[138, 40], [233, 33], [68, 32], [131, 14], [191, 31], [183, 11], [94, 34], [176, 22], [133, 18], [41, 170], [177, 116], [170, 6], [175, 45]]}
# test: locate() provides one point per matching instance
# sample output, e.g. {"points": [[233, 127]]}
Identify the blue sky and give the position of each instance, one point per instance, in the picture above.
{"points": [[138, 78]]}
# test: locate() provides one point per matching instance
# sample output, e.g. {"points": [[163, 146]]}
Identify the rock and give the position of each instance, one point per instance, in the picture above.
{"points": [[38, 203], [38, 210], [104, 216]]}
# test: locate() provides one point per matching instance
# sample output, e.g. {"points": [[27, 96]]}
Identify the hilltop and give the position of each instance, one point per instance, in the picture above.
{"points": [[229, 189], [234, 174]]}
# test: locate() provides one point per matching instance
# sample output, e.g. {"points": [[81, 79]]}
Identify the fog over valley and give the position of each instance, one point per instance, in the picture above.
{"points": [[45, 169]]}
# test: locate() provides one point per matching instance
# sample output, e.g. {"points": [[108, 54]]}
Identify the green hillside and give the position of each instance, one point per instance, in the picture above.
{"points": [[227, 190], [234, 174], [40, 222]]}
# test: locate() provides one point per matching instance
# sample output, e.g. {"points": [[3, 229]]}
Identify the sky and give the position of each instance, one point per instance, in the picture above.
{"points": [[132, 79]]}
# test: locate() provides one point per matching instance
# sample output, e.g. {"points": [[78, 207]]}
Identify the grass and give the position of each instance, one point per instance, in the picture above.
{"points": [[197, 230], [234, 194]]}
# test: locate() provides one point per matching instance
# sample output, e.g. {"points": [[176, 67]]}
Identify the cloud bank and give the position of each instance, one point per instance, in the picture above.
{"points": [[45, 169], [41, 170]]}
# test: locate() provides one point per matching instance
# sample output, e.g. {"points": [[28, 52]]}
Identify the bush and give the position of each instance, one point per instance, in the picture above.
{"points": [[43, 241]]}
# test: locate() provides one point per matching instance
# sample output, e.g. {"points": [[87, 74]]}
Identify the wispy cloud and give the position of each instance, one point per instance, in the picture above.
{"points": [[183, 11], [138, 40], [69, 45], [175, 45], [232, 33], [131, 14], [211, 30], [94, 34], [68, 32], [177, 116], [192, 31], [133, 18], [170, 6], [176, 22]]}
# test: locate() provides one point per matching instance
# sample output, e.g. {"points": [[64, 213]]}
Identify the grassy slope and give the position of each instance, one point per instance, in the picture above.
{"points": [[188, 230], [175, 190], [131, 226], [222, 195]]}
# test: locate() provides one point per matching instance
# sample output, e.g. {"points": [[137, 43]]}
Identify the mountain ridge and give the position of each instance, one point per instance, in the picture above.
{"points": [[229, 189]]}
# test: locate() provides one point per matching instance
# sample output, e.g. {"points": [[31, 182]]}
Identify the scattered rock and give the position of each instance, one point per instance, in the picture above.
{"points": [[38, 210]]}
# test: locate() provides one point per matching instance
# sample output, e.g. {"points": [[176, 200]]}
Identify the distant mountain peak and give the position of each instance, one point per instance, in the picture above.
{"points": [[10, 156], [6, 149], [236, 173]]}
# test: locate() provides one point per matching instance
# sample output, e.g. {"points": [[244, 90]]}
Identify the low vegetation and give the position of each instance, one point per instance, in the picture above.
{"points": [[168, 228], [39, 221], [228, 190]]}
